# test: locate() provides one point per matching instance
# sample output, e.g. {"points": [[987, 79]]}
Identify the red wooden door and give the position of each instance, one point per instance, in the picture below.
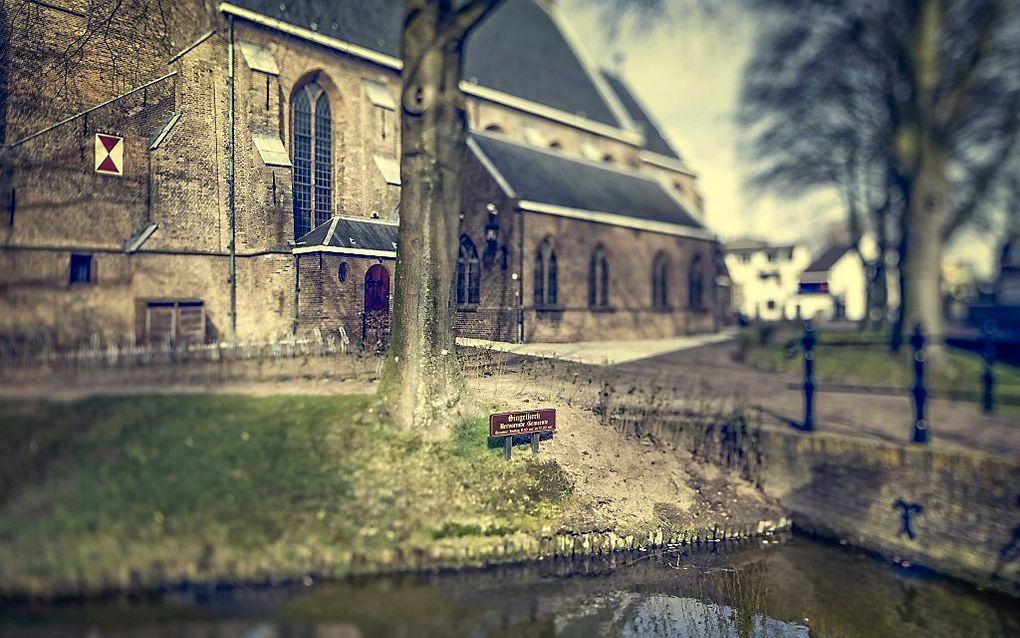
{"points": [[377, 289]]}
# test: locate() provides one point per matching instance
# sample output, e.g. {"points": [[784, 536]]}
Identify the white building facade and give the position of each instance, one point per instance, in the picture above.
{"points": [[765, 278], [834, 287]]}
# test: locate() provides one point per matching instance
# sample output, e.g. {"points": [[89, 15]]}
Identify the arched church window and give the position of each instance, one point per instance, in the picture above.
{"points": [[313, 158], [545, 274], [468, 273]]}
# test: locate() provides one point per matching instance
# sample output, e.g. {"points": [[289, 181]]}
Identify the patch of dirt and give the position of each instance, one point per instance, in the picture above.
{"points": [[623, 482]]}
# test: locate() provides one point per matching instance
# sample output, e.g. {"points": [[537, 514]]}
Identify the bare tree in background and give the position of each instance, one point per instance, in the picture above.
{"points": [[816, 129], [945, 77]]}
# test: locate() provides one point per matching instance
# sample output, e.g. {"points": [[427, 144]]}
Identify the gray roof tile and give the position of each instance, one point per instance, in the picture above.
{"points": [[828, 258], [518, 50], [352, 233], [549, 177]]}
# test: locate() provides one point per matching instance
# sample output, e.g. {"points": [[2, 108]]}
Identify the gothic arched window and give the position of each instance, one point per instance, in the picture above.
{"points": [[598, 279], [468, 273], [660, 282], [313, 158], [695, 284], [545, 274]]}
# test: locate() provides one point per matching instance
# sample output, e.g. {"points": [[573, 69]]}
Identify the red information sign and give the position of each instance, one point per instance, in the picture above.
{"points": [[529, 422]]}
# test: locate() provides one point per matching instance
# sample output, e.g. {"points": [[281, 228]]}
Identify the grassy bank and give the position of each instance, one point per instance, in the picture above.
{"points": [[139, 491]]}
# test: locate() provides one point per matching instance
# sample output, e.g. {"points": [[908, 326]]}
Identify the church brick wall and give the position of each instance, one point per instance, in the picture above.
{"points": [[629, 256], [61, 206]]}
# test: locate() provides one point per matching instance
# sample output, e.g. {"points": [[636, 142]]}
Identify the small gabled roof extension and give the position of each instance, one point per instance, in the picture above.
{"points": [[351, 236]]}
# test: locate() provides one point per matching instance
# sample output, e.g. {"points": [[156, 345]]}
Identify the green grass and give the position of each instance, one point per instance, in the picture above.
{"points": [[108, 491], [872, 364]]}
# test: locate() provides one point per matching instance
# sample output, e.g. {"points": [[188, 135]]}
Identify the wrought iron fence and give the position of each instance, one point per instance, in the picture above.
{"points": [[919, 390]]}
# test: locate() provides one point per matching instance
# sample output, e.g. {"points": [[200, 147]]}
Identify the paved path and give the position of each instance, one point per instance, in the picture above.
{"points": [[884, 416], [601, 352]]}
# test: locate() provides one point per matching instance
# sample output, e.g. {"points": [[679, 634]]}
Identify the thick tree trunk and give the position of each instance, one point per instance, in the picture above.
{"points": [[923, 160], [920, 267], [422, 382]]}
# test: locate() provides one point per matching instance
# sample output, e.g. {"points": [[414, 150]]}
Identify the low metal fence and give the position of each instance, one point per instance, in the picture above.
{"points": [[919, 390], [119, 355]]}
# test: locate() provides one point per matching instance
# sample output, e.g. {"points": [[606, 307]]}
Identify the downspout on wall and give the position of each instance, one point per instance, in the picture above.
{"points": [[297, 293], [520, 277], [230, 187]]}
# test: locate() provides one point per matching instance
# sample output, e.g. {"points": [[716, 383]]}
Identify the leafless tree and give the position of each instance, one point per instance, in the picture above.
{"points": [[942, 79], [815, 129]]}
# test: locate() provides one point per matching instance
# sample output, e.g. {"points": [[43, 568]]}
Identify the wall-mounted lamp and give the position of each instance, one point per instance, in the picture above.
{"points": [[491, 231]]}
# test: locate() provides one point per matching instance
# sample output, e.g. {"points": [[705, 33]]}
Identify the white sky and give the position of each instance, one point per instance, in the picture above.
{"points": [[688, 75]]}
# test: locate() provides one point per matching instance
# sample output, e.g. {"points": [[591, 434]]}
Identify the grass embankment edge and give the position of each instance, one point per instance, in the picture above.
{"points": [[141, 493]]}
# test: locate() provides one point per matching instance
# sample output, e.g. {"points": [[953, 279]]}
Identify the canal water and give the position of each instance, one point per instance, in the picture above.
{"points": [[785, 586]]}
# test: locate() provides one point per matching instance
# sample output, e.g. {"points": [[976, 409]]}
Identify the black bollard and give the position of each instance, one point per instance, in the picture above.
{"points": [[809, 377], [988, 376], [920, 392]]}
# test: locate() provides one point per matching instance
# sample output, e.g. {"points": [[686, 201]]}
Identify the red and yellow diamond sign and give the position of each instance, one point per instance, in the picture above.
{"points": [[109, 154]]}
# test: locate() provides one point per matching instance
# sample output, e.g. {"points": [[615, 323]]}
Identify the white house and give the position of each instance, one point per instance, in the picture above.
{"points": [[765, 278], [834, 287]]}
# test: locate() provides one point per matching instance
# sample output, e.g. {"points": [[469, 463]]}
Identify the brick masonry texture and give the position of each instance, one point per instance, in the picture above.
{"points": [[54, 204], [855, 490]]}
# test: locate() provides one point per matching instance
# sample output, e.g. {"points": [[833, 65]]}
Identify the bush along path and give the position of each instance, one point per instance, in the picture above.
{"points": [[131, 494]]}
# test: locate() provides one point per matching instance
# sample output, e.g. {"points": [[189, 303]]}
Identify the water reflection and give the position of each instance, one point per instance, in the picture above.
{"points": [[793, 588], [659, 615]]}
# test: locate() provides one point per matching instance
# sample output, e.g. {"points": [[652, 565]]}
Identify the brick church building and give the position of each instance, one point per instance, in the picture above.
{"points": [[192, 171]]}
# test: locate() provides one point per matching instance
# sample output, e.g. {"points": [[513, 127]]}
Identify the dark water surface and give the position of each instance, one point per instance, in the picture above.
{"points": [[788, 586]]}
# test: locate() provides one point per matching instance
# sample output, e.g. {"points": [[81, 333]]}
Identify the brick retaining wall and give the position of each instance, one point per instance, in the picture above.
{"points": [[856, 490]]}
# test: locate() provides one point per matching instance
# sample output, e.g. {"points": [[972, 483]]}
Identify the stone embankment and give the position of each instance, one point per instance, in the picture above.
{"points": [[952, 510], [521, 547]]}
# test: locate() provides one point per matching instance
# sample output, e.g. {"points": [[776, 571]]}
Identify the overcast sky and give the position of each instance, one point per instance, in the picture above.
{"points": [[688, 74]]}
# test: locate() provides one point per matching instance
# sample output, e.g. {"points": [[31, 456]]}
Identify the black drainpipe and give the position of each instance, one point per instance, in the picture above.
{"points": [[297, 292], [520, 278], [230, 188]]}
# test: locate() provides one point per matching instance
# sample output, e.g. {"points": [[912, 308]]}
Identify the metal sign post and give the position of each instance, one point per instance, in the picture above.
{"points": [[507, 425], [809, 377], [920, 392], [988, 375]]}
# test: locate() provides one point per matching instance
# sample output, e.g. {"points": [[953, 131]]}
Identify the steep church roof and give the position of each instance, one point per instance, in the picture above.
{"points": [[519, 50], [547, 181], [655, 140]]}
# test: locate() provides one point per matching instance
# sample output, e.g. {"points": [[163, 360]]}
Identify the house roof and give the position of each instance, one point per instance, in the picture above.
{"points": [[828, 258], [740, 246], [518, 50], [655, 141], [539, 176], [351, 235], [745, 245]]}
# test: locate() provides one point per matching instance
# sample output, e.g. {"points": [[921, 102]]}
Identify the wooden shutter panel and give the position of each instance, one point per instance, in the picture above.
{"points": [[161, 323], [191, 322]]}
